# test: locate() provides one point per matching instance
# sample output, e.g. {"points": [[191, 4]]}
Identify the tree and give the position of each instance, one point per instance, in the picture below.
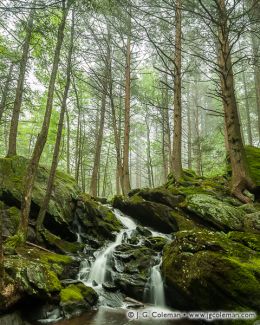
{"points": [[55, 159], [42, 137], [20, 86], [177, 139]]}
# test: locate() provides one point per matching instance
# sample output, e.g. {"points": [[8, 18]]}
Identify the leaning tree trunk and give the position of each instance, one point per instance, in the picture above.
{"points": [[20, 87], [42, 137], [240, 176], [177, 138], [55, 158], [247, 106]]}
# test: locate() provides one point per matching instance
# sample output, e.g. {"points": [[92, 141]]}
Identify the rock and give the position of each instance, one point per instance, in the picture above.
{"points": [[97, 221], [247, 239], [32, 272], [253, 159], [156, 243], [161, 195], [12, 319], [252, 222], [132, 303], [215, 213], [155, 215], [12, 171], [109, 286], [76, 299], [206, 270], [131, 268]]}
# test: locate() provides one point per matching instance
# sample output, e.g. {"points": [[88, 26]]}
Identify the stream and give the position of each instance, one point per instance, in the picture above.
{"points": [[113, 308]]}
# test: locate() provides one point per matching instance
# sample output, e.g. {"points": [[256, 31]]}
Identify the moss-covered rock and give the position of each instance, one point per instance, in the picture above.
{"points": [[215, 212], [77, 298], [246, 238], [97, 221], [152, 214], [253, 159], [32, 272], [206, 270], [60, 208]]}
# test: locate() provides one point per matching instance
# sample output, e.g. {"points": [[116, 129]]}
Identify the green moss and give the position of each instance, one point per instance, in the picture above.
{"points": [[248, 239], [71, 294], [62, 245], [253, 159]]}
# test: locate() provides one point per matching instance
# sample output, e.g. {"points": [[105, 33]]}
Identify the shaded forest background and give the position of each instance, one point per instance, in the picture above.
{"points": [[115, 85]]}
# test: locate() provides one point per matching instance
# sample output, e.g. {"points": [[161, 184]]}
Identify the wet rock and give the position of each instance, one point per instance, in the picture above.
{"points": [[206, 270], [130, 268], [109, 286], [132, 303], [77, 298], [155, 215], [12, 319]]}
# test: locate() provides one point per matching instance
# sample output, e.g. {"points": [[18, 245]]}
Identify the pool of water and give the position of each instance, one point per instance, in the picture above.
{"points": [[105, 316]]}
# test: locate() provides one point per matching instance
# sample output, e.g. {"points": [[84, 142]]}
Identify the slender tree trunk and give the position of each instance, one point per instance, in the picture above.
{"points": [[106, 173], [6, 91], [248, 118], [256, 53], [189, 129], [42, 137], [240, 176], [197, 130], [166, 147], [78, 137], [68, 140], [98, 146], [126, 175], [177, 139], [55, 158], [20, 87]]}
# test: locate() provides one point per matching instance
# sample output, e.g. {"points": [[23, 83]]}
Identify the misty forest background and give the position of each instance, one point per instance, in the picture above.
{"points": [[119, 66]]}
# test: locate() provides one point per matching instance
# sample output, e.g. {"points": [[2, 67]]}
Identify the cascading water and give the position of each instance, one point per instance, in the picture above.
{"points": [[99, 268], [97, 272], [156, 288]]}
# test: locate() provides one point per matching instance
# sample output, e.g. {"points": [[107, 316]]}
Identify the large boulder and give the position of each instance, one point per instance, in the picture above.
{"points": [[214, 212], [151, 214], [206, 270], [32, 272]]}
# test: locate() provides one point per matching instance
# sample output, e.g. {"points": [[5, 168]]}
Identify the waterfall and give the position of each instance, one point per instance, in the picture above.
{"points": [[155, 289], [99, 267]]}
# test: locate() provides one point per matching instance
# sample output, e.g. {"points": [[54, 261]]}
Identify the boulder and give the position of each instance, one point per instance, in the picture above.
{"points": [[151, 214], [130, 268], [206, 270], [77, 298], [215, 213]]}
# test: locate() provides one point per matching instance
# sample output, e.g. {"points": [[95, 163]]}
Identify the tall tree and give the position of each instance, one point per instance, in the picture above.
{"points": [[6, 90], [55, 158], [42, 137], [240, 175], [20, 85], [177, 138]]}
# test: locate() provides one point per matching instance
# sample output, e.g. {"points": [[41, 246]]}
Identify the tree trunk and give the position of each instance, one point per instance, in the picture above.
{"points": [[55, 158], [42, 137], [177, 139], [189, 129], [126, 175], [248, 118], [78, 137], [240, 176], [166, 146], [6, 90], [104, 187], [68, 140], [98, 146], [1, 250], [20, 87]]}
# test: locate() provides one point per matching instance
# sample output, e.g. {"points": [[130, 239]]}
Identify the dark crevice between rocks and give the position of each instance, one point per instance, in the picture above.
{"points": [[59, 229]]}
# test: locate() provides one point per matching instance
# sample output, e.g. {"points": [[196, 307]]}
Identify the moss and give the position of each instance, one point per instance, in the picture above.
{"points": [[70, 294], [253, 159], [219, 214], [63, 245], [14, 215], [248, 239]]}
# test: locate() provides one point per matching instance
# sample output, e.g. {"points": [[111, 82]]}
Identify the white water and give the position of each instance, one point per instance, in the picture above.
{"points": [[98, 270], [156, 286]]}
